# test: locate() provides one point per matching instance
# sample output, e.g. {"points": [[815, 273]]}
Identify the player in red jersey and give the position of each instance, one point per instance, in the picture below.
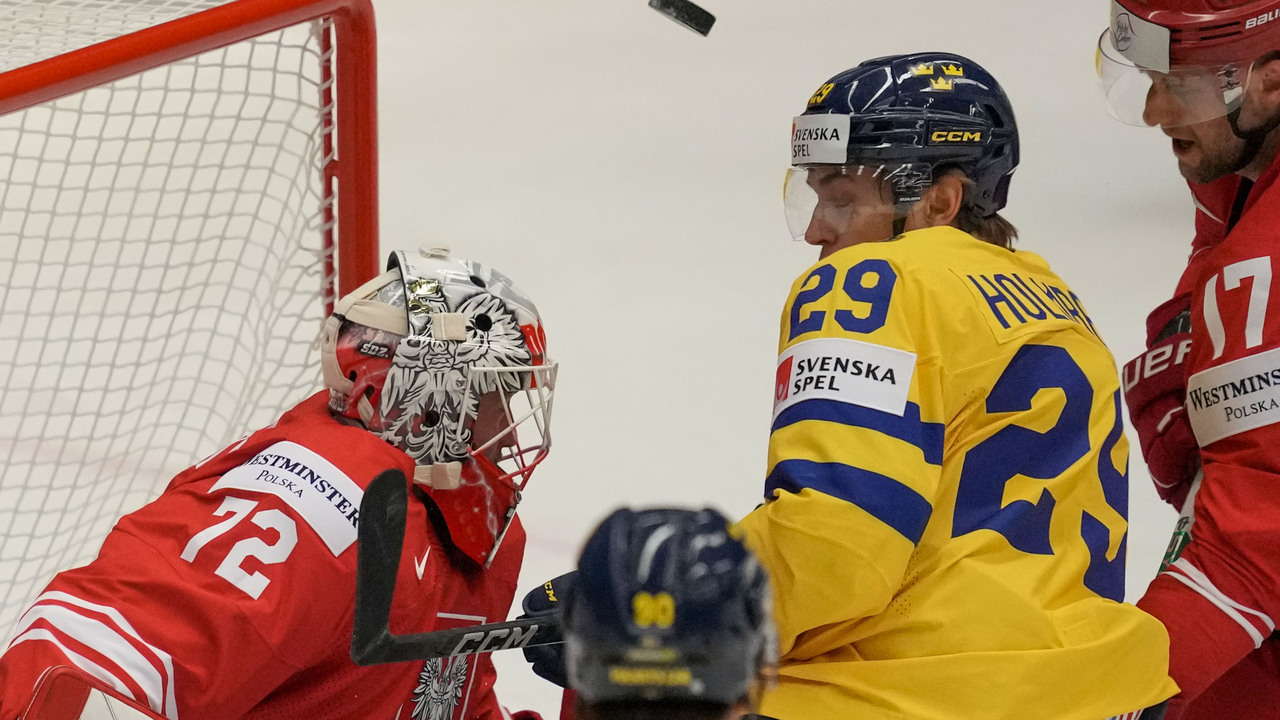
{"points": [[232, 594], [1205, 397]]}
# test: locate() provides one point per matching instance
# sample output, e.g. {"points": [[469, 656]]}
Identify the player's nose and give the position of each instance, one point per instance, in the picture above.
{"points": [[819, 232], [1160, 108]]}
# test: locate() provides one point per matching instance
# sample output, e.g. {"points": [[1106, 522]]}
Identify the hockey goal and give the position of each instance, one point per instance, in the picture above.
{"points": [[184, 186]]}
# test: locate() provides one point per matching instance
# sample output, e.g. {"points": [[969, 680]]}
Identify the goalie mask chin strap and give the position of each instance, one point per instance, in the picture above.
{"points": [[439, 476]]}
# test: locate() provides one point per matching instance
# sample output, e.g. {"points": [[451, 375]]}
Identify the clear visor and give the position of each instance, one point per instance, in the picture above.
{"points": [[1185, 95], [518, 436], [843, 199]]}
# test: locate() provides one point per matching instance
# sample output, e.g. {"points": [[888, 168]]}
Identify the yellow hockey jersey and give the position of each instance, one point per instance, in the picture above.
{"points": [[946, 502]]}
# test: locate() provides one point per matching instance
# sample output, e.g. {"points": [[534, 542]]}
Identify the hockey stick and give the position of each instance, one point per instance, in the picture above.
{"points": [[380, 539]]}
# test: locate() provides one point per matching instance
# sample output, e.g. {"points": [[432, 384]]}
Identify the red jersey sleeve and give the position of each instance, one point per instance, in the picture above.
{"points": [[200, 591], [232, 595], [217, 593]]}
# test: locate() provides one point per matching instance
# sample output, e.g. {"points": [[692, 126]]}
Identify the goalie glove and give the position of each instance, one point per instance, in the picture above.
{"points": [[1155, 389], [544, 602]]}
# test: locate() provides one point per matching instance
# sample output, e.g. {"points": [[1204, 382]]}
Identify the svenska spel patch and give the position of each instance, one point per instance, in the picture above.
{"points": [[844, 370], [326, 498], [1234, 397], [820, 139]]}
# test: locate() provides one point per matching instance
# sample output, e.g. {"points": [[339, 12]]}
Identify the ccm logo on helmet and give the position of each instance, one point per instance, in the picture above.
{"points": [[956, 136], [1262, 19]]}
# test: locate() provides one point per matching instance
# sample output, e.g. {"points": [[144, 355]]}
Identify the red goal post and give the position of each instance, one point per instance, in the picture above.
{"points": [[185, 186]]}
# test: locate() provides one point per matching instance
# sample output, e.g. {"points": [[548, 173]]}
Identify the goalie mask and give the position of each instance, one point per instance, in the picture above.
{"points": [[445, 359]]}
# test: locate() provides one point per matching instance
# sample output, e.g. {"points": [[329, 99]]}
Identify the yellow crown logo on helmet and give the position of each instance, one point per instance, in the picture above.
{"points": [[953, 69], [941, 83], [922, 69]]}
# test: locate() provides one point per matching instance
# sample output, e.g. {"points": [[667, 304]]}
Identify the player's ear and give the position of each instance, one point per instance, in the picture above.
{"points": [[941, 202], [1264, 81]]}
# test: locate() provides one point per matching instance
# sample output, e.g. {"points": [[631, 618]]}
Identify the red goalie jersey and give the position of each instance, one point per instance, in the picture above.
{"points": [[231, 595], [1221, 598]]}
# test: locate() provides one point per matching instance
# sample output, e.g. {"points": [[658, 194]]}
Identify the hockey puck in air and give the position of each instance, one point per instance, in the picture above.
{"points": [[685, 13]]}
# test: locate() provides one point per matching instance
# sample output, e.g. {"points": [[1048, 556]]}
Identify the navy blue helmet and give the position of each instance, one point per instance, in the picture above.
{"points": [[668, 605], [908, 116]]}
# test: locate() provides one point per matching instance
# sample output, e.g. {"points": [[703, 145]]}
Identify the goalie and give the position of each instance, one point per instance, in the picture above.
{"points": [[231, 595]]}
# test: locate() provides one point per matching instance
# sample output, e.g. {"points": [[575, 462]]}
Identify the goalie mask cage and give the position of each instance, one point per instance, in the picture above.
{"points": [[182, 185]]}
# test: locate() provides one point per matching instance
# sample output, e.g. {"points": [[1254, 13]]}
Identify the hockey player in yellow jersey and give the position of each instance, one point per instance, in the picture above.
{"points": [[947, 489]]}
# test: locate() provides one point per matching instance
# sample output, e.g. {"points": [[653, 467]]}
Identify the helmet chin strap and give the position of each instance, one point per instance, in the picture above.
{"points": [[904, 200], [1253, 139], [901, 209]]}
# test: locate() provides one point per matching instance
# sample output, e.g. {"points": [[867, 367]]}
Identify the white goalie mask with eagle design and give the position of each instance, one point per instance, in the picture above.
{"points": [[445, 359]]}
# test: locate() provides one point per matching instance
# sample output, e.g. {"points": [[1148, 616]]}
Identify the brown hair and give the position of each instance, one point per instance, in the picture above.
{"points": [[993, 228]]}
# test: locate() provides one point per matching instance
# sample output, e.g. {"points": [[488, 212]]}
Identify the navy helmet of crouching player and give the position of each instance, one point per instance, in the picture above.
{"points": [[902, 120], [446, 360], [668, 605]]}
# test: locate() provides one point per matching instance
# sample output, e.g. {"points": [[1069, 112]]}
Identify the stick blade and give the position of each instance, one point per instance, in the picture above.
{"points": [[686, 13]]}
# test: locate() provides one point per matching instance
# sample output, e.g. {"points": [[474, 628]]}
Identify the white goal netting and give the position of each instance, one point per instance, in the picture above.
{"points": [[164, 267]]}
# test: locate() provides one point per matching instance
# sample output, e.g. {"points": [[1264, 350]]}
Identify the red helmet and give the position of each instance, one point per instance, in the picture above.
{"points": [[445, 359], [1202, 48]]}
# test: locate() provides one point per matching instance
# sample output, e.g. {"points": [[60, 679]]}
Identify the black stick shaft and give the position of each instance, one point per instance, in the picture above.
{"points": [[380, 539]]}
